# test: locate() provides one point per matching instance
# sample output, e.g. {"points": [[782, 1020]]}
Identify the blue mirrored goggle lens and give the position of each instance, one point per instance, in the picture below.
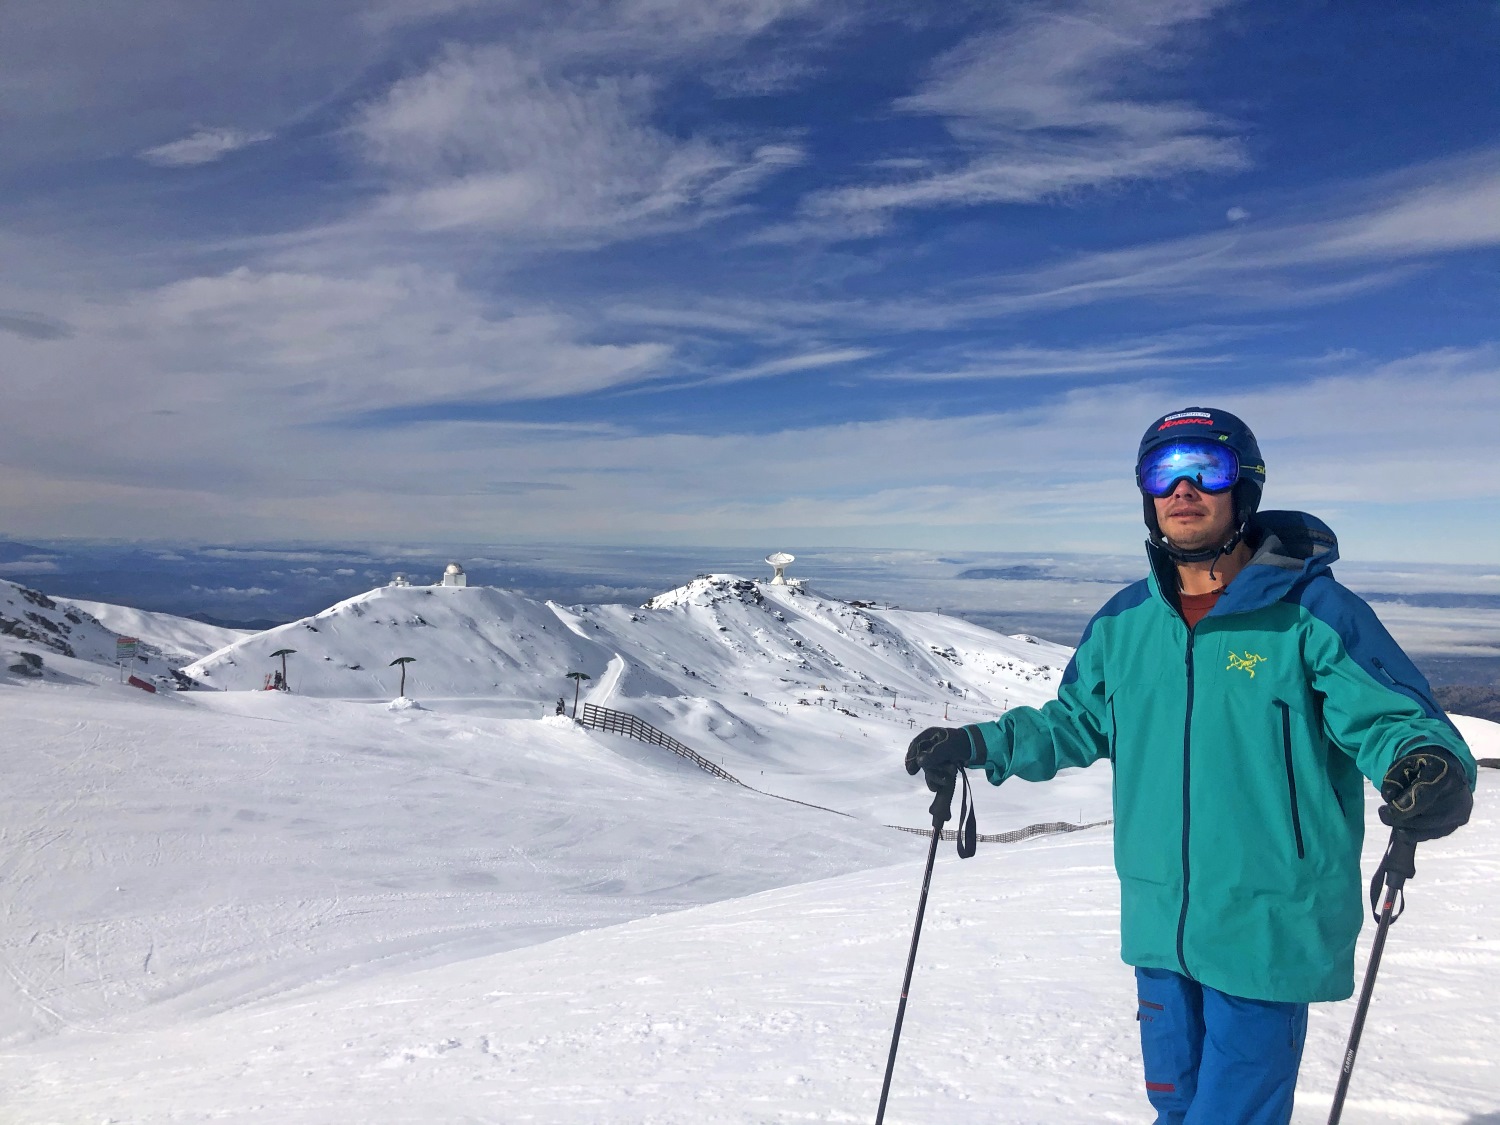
{"points": [[1205, 465]]}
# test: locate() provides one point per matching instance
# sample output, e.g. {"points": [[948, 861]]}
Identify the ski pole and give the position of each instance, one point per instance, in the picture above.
{"points": [[1399, 865], [941, 809]]}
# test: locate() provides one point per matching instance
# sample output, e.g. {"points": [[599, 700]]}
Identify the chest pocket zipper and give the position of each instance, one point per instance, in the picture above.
{"points": [[1291, 776]]}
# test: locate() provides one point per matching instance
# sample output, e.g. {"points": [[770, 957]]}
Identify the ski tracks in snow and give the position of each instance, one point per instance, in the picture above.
{"points": [[777, 1007], [166, 866]]}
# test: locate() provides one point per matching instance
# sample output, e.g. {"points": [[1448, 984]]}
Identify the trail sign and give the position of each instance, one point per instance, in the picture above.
{"points": [[125, 648]]}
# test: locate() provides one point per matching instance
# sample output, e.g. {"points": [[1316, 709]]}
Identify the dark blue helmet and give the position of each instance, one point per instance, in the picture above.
{"points": [[1205, 423]]}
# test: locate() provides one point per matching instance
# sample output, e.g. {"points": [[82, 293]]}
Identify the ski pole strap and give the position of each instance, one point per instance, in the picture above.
{"points": [[968, 832], [1397, 866]]}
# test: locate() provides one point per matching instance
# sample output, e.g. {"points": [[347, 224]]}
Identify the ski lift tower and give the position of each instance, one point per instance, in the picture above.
{"points": [[779, 562]]}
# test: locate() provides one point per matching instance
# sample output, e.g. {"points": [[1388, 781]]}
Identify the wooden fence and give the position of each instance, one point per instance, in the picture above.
{"points": [[619, 722]]}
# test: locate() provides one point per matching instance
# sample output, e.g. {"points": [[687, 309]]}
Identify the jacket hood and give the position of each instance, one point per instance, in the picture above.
{"points": [[1289, 550], [1293, 540]]}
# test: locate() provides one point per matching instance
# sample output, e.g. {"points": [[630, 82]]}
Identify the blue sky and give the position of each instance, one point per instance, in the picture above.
{"points": [[777, 273]]}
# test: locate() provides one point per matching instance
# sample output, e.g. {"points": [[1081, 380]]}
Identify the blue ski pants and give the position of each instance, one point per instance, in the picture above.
{"points": [[1215, 1059]]}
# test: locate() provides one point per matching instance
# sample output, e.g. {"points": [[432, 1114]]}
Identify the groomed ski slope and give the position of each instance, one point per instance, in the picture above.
{"points": [[777, 1007], [181, 853]]}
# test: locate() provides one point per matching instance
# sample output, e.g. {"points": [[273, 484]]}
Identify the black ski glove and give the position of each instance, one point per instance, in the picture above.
{"points": [[940, 752], [1426, 794]]}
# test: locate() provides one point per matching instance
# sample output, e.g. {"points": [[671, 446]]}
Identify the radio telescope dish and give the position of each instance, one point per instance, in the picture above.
{"points": [[779, 562]]}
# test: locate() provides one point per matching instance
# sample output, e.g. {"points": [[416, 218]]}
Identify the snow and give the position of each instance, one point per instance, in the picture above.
{"points": [[181, 639], [52, 631], [455, 906], [788, 690]]}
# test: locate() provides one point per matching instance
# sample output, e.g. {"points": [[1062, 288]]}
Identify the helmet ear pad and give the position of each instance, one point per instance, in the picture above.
{"points": [[1152, 526], [1247, 492]]}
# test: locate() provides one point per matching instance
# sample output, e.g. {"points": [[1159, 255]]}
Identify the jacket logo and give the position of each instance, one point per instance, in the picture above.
{"points": [[1244, 663]]}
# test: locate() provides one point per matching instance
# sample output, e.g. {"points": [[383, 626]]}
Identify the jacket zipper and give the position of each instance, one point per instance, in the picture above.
{"points": [[1114, 764], [1291, 777], [1187, 774], [1114, 732]]}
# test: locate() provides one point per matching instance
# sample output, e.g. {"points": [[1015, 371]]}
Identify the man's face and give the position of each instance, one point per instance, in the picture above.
{"points": [[1193, 520]]}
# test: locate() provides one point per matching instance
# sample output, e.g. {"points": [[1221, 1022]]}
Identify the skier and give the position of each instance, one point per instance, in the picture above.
{"points": [[1239, 693]]}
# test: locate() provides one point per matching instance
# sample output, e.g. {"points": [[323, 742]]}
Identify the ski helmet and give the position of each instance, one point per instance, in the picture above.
{"points": [[1207, 424]]}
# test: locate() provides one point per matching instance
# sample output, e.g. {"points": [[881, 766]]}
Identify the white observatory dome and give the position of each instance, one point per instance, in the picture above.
{"points": [[454, 575]]}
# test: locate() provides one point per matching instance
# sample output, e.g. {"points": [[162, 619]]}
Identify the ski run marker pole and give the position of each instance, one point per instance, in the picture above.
{"points": [[942, 809], [1399, 865]]}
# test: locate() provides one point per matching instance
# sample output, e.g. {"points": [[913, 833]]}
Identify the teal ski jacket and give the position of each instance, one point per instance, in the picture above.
{"points": [[1238, 748]]}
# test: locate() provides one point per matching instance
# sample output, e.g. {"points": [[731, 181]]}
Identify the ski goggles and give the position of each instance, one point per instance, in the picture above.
{"points": [[1209, 466]]}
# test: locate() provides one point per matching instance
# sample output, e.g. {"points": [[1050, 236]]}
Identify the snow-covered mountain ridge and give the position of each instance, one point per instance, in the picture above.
{"points": [[703, 636], [766, 680], [795, 693], [34, 627], [180, 640], [465, 641]]}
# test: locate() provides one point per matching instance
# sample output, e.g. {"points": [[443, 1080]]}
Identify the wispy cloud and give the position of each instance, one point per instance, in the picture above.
{"points": [[762, 80], [1354, 447], [786, 365], [1119, 358], [1042, 107], [33, 326], [221, 379], [1449, 206], [387, 338], [105, 80], [42, 566], [1400, 432], [490, 139], [202, 147], [1365, 237], [692, 23]]}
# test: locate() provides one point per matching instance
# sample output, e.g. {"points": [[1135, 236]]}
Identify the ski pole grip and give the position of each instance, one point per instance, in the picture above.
{"points": [[1397, 866], [942, 804], [1400, 859]]}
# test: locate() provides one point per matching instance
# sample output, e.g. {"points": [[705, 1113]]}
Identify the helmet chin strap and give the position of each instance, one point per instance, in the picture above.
{"points": [[1203, 554]]}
